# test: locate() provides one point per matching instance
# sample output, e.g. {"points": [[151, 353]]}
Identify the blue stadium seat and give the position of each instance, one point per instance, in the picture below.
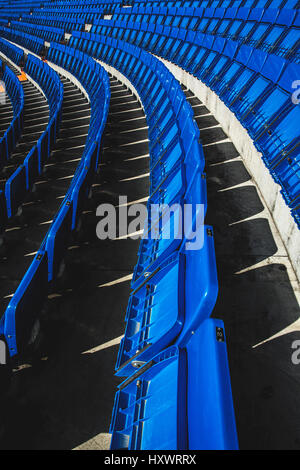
{"points": [[160, 309], [15, 190], [178, 400]]}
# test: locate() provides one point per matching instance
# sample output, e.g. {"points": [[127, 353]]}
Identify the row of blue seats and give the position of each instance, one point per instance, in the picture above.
{"points": [[82, 3], [174, 288], [269, 29], [31, 42], [14, 3], [282, 39], [25, 306], [13, 52], [181, 3], [20, 183], [198, 18], [49, 33], [14, 90], [216, 3], [94, 6], [16, 11], [85, 14], [176, 159], [109, 6], [166, 3], [169, 336], [20, 4], [67, 24], [255, 85], [7, 14]]}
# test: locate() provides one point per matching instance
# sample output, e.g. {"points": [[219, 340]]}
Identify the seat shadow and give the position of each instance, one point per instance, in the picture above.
{"points": [[220, 152], [265, 385], [226, 175], [212, 135], [232, 205], [66, 398]]}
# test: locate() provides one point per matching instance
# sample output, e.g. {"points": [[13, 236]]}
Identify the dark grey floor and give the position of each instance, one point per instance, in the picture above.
{"points": [[64, 398], [6, 113]]}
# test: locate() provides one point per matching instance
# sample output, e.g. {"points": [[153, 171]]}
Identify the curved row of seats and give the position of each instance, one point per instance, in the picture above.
{"points": [[11, 7], [281, 39], [273, 30], [109, 5], [21, 314], [213, 3], [86, 13], [8, 14], [21, 182], [248, 56], [174, 283], [33, 43], [255, 85], [49, 33], [67, 24], [93, 5], [178, 396], [13, 52], [15, 92]]}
